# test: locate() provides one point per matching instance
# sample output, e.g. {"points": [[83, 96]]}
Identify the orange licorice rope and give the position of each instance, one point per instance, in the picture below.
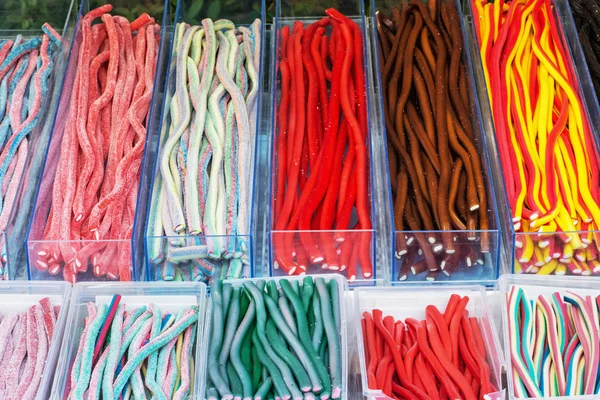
{"points": [[548, 154], [322, 159]]}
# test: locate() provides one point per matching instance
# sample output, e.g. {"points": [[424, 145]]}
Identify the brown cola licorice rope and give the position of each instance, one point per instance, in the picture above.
{"points": [[436, 173]]}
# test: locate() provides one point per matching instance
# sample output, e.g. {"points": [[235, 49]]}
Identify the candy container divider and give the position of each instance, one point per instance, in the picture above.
{"points": [[483, 274], [167, 296], [43, 200], [535, 286], [22, 295], [409, 301], [584, 90], [287, 12], [155, 244], [342, 284], [12, 239]]}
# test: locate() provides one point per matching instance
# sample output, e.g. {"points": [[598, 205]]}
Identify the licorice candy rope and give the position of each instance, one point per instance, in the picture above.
{"points": [[94, 194], [321, 154], [443, 356], [25, 341], [132, 352], [275, 340], [435, 167], [26, 68], [202, 197], [545, 141]]}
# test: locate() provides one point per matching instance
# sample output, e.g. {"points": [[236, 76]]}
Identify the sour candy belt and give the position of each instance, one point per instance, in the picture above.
{"points": [[26, 67], [95, 188], [443, 356], [554, 344], [548, 154], [275, 340], [126, 354], [321, 161], [25, 340], [435, 165], [204, 187]]}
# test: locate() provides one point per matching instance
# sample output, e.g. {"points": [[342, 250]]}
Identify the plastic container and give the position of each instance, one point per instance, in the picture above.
{"points": [[168, 296], [160, 10], [480, 256], [27, 20], [162, 250], [584, 91], [563, 8], [410, 301], [19, 296], [344, 326], [535, 286], [329, 242]]}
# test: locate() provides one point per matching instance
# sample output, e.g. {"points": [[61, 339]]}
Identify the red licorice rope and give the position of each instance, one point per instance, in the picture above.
{"points": [[442, 357], [321, 195]]}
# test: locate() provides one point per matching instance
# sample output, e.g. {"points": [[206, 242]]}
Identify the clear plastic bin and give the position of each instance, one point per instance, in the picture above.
{"points": [[535, 286], [344, 326], [171, 297], [410, 301], [514, 242], [19, 296], [117, 252], [334, 246], [27, 20], [479, 255], [166, 254]]}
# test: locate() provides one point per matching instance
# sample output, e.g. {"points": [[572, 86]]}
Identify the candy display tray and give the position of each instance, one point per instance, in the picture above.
{"points": [[19, 296], [410, 301], [159, 247], [131, 262], [332, 244], [168, 297], [535, 286], [63, 21], [480, 247], [512, 241]]}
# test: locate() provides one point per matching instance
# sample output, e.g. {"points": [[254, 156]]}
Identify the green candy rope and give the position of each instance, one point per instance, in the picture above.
{"points": [[257, 368], [333, 339], [216, 290], [315, 377], [307, 292], [304, 334], [233, 316], [236, 384], [265, 360], [317, 334], [243, 336], [264, 389], [291, 360], [261, 318], [335, 303]]}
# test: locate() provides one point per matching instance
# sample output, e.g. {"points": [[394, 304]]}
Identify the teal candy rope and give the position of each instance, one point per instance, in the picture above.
{"points": [[189, 318], [88, 352]]}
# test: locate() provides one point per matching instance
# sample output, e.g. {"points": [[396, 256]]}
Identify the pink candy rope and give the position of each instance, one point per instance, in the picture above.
{"points": [[102, 149], [26, 343]]}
